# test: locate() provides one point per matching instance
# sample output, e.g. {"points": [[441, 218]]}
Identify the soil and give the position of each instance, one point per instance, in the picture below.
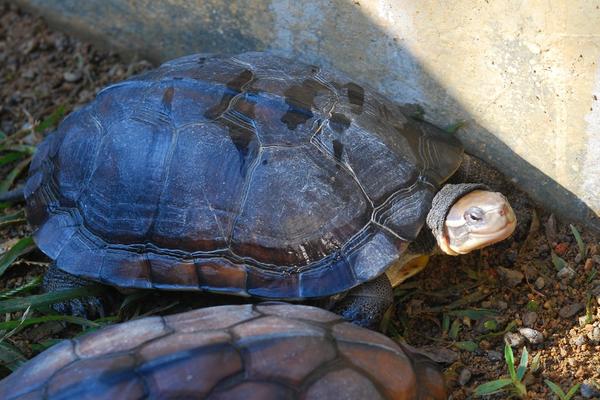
{"points": [[457, 312]]}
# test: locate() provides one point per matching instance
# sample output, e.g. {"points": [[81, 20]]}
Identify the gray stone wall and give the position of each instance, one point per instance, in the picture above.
{"points": [[523, 76]]}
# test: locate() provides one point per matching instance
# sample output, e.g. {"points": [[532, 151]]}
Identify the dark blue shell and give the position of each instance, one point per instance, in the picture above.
{"points": [[252, 174]]}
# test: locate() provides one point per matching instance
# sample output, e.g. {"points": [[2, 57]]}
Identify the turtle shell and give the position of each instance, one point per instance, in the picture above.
{"points": [[270, 351], [248, 174]]}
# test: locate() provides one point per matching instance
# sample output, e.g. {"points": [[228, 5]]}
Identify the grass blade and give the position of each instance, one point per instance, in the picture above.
{"points": [[522, 364], [445, 323], [23, 246], [473, 313], [10, 157], [12, 175], [47, 318], [492, 387], [558, 262], [467, 345], [572, 391], [510, 361], [453, 128], [10, 356], [555, 388], [579, 240], [52, 120], [46, 344], [454, 329], [520, 389], [13, 218], [22, 148], [535, 363], [46, 299], [32, 284]]}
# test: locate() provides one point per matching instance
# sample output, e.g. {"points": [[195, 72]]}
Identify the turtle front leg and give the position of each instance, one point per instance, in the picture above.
{"points": [[365, 304], [91, 307]]}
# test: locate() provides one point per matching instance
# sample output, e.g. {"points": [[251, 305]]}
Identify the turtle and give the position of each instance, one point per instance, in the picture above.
{"points": [[261, 351], [252, 175]]}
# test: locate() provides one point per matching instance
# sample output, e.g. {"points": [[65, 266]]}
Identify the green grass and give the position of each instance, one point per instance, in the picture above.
{"points": [[24, 306], [515, 382], [558, 262], [22, 247], [580, 244], [559, 392], [52, 120]]}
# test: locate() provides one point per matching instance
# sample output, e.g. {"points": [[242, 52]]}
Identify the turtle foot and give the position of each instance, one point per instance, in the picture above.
{"points": [[365, 304], [91, 307]]}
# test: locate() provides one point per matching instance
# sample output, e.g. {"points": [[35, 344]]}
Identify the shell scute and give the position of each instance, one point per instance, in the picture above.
{"points": [[249, 174]]}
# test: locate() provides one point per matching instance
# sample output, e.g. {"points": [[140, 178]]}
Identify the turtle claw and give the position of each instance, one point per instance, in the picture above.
{"points": [[365, 304], [89, 308]]}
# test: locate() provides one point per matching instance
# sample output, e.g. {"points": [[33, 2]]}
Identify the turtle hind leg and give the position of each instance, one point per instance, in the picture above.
{"points": [[365, 304], [91, 307]]}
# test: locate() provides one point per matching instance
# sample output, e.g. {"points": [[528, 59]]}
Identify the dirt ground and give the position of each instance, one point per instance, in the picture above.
{"points": [[460, 312]]}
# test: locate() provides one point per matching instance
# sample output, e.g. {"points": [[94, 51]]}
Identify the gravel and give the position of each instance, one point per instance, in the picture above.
{"points": [[41, 70], [514, 339], [464, 377], [512, 277], [530, 318], [493, 355], [539, 283], [565, 273], [594, 334], [570, 310], [532, 336], [579, 340]]}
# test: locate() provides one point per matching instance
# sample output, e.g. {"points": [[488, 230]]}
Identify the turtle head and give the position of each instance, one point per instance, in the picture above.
{"points": [[478, 219]]}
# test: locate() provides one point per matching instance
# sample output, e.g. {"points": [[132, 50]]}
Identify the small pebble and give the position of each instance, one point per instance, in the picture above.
{"points": [[530, 271], [514, 339], [543, 249], [561, 248], [494, 355], [512, 277], [530, 318], [549, 304], [563, 352], [511, 256], [589, 390], [72, 76], [566, 273], [540, 283], [579, 340], [533, 336], [502, 305], [464, 377], [594, 335], [578, 258], [485, 345], [569, 310], [440, 355], [583, 321], [587, 267], [596, 293], [28, 74]]}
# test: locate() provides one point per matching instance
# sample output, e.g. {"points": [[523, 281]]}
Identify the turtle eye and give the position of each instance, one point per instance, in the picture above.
{"points": [[474, 214]]}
